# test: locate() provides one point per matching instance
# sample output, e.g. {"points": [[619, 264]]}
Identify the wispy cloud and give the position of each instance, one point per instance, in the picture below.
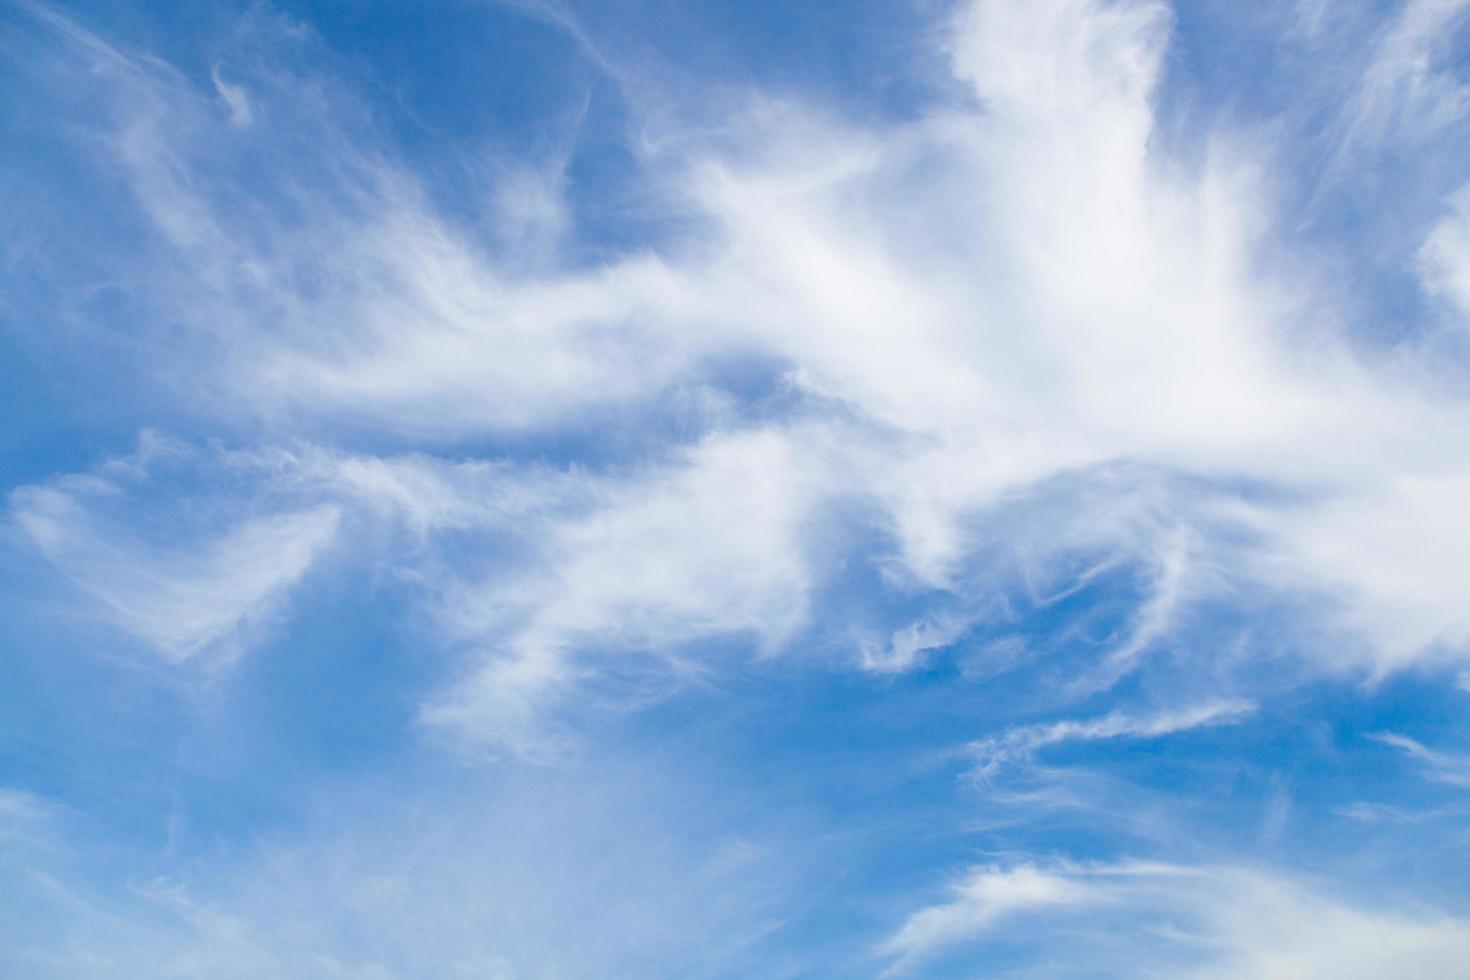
{"points": [[1020, 744], [527, 881], [185, 597], [978, 900], [1021, 395], [1182, 921], [1409, 86], [1439, 766], [964, 310]]}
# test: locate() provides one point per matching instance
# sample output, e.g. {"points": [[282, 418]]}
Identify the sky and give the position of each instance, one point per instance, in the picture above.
{"points": [[514, 489]]}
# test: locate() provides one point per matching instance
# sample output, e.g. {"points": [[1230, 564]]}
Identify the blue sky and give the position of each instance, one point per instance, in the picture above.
{"points": [[650, 489]]}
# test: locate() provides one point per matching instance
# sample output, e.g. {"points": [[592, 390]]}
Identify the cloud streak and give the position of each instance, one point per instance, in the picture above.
{"points": [[1198, 922], [1020, 744]]}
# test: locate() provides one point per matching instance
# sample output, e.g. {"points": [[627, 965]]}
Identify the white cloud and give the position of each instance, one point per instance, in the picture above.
{"points": [[1408, 86], [1027, 340], [576, 565], [203, 593], [1263, 928], [236, 100], [1019, 744], [1439, 766], [1063, 58], [1444, 259], [908, 644], [1146, 920], [1014, 293], [1392, 560], [708, 546], [977, 901]]}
